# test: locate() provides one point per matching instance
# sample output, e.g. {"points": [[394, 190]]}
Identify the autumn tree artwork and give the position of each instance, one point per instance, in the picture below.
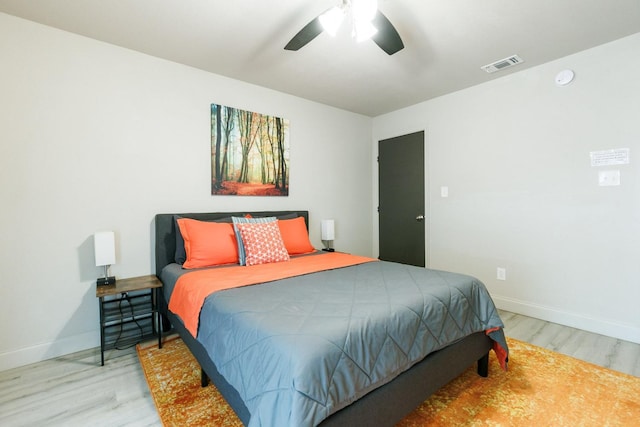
{"points": [[249, 153]]}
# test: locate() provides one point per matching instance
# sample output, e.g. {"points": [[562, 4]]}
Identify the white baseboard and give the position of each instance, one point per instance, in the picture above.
{"points": [[38, 353], [574, 320]]}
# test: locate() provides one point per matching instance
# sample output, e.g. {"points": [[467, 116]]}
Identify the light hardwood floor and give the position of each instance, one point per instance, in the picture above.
{"points": [[75, 391]]}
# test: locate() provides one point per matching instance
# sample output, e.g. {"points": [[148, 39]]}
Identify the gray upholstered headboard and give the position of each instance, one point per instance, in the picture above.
{"points": [[166, 230]]}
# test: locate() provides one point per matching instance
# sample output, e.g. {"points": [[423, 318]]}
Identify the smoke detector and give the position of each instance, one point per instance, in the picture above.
{"points": [[502, 64]]}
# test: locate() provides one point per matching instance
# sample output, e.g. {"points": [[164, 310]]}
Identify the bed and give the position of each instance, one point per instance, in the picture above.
{"points": [[385, 398]]}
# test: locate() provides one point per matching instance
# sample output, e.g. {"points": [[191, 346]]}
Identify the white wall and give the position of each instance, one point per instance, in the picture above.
{"points": [[95, 137], [514, 153]]}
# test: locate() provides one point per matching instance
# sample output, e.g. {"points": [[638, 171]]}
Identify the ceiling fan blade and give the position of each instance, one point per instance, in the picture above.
{"points": [[387, 37], [305, 35]]}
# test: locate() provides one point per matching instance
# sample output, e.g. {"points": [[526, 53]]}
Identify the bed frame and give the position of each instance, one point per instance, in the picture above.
{"points": [[384, 406]]}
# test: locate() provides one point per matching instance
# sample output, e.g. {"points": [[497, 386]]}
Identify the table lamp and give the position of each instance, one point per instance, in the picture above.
{"points": [[105, 251], [328, 234]]}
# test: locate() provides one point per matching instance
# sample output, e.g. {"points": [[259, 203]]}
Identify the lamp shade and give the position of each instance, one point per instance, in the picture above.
{"points": [[364, 10], [104, 244], [331, 20], [328, 229]]}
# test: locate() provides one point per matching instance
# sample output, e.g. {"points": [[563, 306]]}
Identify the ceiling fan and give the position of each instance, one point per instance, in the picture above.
{"points": [[367, 23]]}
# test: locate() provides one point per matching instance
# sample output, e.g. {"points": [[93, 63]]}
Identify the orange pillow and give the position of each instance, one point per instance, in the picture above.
{"points": [[208, 243], [262, 243], [295, 236]]}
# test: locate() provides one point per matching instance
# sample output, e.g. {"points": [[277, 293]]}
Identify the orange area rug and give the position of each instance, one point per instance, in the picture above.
{"points": [[541, 388]]}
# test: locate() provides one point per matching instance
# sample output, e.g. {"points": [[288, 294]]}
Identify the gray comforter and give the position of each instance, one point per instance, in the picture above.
{"points": [[299, 349]]}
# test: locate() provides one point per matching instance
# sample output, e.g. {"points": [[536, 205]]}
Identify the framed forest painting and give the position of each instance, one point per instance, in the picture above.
{"points": [[249, 153]]}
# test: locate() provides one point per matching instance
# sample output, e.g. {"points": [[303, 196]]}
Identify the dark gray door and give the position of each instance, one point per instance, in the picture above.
{"points": [[401, 199]]}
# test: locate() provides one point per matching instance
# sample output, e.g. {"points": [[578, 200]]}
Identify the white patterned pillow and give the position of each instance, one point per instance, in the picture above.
{"points": [[262, 243]]}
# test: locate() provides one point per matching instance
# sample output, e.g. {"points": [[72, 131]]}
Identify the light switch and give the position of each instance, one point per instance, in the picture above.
{"points": [[609, 178], [444, 191]]}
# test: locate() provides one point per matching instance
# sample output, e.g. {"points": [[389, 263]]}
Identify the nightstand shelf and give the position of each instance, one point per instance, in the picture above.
{"points": [[128, 312]]}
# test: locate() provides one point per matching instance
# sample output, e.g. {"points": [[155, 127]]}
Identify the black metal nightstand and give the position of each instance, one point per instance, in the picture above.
{"points": [[129, 312]]}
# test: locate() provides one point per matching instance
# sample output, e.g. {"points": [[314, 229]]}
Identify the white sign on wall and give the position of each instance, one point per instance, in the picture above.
{"points": [[618, 156]]}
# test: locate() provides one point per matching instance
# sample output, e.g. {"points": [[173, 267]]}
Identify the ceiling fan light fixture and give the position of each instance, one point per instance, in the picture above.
{"points": [[364, 10], [367, 22], [331, 20], [363, 30]]}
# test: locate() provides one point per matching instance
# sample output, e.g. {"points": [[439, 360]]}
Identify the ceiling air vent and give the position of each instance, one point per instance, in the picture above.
{"points": [[502, 64]]}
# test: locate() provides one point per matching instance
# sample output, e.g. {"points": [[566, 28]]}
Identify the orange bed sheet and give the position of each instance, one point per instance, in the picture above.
{"points": [[192, 288]]}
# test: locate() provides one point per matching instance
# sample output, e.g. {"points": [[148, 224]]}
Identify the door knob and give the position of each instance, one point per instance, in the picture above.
{"points": [[420, 218]]}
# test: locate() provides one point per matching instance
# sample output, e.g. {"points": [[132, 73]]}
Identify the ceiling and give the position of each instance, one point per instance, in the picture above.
{"points": [[446, 41]]}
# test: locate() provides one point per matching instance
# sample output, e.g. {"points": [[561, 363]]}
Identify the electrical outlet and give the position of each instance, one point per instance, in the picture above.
{"points": [[501, 273]]}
